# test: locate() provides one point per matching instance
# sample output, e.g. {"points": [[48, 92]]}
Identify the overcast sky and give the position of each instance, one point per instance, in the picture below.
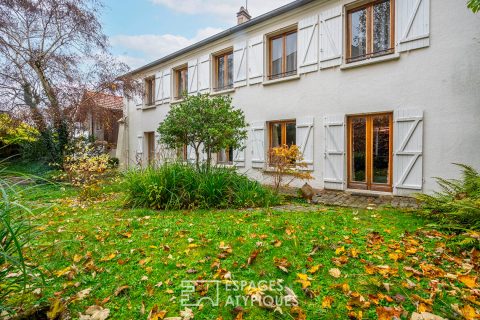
{"points": [[141, 31]]}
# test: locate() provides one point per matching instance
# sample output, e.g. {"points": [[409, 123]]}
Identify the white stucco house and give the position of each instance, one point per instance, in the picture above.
{"points": [[380, 95]]}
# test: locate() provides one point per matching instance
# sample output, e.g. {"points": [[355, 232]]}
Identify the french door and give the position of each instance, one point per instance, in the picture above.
{"points": [[369, 155]]}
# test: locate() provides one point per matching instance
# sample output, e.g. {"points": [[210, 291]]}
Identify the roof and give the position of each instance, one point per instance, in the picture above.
{"points": [[228, 32], [103, 100]]}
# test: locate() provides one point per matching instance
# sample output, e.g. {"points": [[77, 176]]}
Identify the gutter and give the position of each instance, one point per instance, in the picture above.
{"points": [[231, 31]]}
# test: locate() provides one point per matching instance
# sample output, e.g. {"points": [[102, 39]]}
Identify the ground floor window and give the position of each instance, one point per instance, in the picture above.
{"points": [[282, 133], [370, 152], [225, 156]]}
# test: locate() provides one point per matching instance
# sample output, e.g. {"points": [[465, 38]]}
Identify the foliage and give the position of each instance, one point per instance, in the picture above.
{"points": [[457, 205], [15, 235], [474, 5], [205, 123], [287, 163], [181, 186], [134, 261], [13, 131], [85, 167]]}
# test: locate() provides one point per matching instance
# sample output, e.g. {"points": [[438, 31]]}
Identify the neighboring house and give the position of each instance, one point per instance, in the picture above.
{"points": [[379, 95], [97, 116]]}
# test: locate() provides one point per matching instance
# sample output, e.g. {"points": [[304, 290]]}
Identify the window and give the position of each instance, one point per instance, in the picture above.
{"points": [[225, 156], [370, 30], [149, 91], [282, 133], [283, 55], [181, 81], [224, 71]]}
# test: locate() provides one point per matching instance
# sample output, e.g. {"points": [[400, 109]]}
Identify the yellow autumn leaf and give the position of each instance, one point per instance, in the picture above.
{"points": [[469, 281], [303, 280], [109, 257], [354, 252], [340, 250], [314, 269], [327, 302], [77, 258]]}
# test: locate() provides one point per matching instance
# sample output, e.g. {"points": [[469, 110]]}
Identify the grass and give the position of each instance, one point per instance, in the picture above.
{"points": [[103, 246]]}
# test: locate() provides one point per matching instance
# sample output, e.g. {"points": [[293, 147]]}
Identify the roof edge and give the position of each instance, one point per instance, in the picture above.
{"points": [[271, 14]]}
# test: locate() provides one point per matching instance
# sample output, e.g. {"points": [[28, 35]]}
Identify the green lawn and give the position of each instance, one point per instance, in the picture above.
{"points": [[385, 257]]}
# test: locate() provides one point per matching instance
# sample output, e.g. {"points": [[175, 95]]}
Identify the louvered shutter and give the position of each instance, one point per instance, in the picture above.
{"points": [[408, 147], [239, 157], [240, 64], [158, 87], [331, 37], [413, 24], [334, 164], [255, 60], [258, 144], [308, 44], [304, 136], [204, 74], [166, 83], [193, 76]]}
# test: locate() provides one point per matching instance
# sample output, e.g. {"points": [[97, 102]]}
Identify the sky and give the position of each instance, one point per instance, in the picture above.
{"points": [[142, 31]]}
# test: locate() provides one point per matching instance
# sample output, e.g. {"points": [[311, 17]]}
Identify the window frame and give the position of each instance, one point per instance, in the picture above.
{"points": [[149, 91], [227, 155], [178, 75], [369, 31], [270, 39], [284, 131], [216, 57]]}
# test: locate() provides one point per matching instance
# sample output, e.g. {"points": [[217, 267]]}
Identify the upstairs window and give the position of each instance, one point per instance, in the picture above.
{"points": [[181, 82], [224, 71], [149, 91], [225, 156], [370, 30], [283, 55]]}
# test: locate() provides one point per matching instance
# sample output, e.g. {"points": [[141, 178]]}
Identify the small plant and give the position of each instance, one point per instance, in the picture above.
{"points": [[457, 205], [288, 165], [84, 167], [181, 186]]}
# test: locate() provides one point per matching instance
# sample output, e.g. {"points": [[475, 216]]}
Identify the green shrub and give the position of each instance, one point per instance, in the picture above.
{"points": [[181, 186], [457, 205]]}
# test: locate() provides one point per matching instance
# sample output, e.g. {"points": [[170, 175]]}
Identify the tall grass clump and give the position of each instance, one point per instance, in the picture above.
{"points": [[181, 186], [457, 205], [15, 234]]}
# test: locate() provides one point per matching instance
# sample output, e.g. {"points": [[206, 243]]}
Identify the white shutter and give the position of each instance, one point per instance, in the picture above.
{"points": [[239, 158], [158, 147], [193, 76], [334, 152], [191, 154], [308, 44], [158, 87], [240, 64], [166, 83], [204, 74], [138, 97], [331, 37], [408, 146], [304, 138], [255, 60], [258, 144], [413, 24], [140, 143]]}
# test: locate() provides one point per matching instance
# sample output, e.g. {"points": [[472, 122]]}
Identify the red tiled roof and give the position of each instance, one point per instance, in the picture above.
{"points": [[103, 100]]}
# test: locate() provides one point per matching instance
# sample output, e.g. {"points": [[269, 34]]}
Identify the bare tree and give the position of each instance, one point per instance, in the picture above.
{"points": [[51, 52]]}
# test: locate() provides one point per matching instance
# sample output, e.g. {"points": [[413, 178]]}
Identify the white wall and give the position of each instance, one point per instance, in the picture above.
{"points": [[442, 80]]}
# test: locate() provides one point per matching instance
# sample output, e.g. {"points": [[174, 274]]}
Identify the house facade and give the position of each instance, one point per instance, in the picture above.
{"points": [[379, 95]]}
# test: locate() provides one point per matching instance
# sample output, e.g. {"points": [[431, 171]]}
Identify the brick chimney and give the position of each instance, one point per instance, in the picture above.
{"points": [[243, 16]]}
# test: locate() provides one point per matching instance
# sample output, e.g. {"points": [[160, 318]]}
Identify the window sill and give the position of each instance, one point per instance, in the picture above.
{"points": [[150, 106], [393, 56], [289, 78], [226, 91], [176, 101]]}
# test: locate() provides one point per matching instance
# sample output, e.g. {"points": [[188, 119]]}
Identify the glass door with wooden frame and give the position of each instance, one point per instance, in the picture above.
{"points": [[369, 156]]}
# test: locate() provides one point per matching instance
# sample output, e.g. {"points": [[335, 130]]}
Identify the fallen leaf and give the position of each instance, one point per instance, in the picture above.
{"points": [[109, 257], [335, 272], [469, 281], [303, 280], [388, 313], [95, 313], [156, 314], [327, 302], [121, 290], [314, 269]]}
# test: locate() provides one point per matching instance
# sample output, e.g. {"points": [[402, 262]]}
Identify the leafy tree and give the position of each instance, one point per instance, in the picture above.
{"points": [[474, 5], [205, 123], [13, 131], [51, 51]]}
